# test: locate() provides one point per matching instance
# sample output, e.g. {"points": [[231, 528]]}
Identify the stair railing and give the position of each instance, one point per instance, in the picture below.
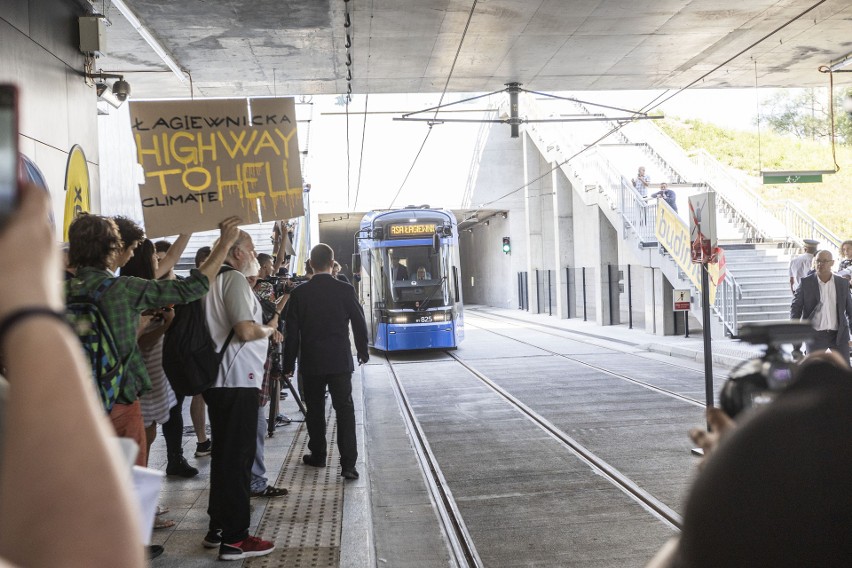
{"points": [[802, 225], [637, 214]]}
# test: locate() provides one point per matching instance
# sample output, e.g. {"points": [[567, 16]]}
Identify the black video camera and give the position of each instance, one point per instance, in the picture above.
{"points": [[758, 381], [291, 283], [279, 284]]}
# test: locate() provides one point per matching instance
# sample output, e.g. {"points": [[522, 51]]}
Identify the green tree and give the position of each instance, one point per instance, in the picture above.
{"points": [[804, 113]]}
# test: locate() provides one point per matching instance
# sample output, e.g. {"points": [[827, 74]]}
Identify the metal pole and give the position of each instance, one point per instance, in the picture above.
{"points": [[549, 295], [568, 292], [537, 292], [609, 292], [629, 300], [708, 351], [686, 322], [307, 201], [520, 293], [584, 295]]}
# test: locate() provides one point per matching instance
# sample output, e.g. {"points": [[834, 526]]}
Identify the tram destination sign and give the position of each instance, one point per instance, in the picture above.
{"points": [[408, 230]]}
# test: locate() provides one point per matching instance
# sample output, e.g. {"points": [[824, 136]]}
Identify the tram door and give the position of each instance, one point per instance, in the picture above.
{"points": [[377, 296], [361, 265]]}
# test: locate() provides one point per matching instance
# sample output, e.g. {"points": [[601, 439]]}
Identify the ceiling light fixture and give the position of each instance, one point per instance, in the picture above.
{"points": [[151, 40], [840, 63]]}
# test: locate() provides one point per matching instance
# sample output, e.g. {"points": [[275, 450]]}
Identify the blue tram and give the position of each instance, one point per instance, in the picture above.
{"points": [[410, 282]]}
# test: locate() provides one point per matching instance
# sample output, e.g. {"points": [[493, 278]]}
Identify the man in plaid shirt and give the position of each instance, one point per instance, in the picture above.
{"points": [[95, 250]]}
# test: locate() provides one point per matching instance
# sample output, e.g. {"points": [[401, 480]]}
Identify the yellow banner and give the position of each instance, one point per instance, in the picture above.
{"points": [[673, 234]]}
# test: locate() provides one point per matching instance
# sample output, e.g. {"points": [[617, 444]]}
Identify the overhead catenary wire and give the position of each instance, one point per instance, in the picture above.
{"points": [[440, 102], [757, 110], [745, 50], [364, 124], [348, 161], [361, 158], [655, 104]]}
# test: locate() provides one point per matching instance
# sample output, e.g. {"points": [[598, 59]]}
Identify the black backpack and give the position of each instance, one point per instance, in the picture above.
{"points": [[190, 359]]}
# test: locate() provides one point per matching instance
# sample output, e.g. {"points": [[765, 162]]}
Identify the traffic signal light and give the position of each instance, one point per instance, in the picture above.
{"points": [[507, 246]]}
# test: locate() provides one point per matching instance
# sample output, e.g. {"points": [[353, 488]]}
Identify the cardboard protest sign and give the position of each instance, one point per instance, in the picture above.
{"points": [[206, 160]]}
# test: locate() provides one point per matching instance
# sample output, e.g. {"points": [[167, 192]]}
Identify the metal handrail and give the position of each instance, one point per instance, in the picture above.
{"points": [[750, 211], [638, 214], [742, 199], [796, 224], [728, 294], [802, 225]]}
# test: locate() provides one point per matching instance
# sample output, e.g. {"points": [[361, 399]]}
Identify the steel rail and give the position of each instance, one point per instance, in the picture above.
{"points": [[624, 483], [458, 538], [621, 376]]}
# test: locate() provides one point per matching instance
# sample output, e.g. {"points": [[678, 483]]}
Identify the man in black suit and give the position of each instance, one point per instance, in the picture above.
{"points": [[319, 313], [824, 299]]}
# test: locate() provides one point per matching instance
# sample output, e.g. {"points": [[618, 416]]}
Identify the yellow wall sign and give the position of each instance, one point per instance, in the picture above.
{"points": [[673, 234], [206, 160], [76, 188]]}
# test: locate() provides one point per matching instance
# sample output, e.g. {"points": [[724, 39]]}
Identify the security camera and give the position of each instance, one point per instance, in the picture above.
{"points": [[121, 90]]}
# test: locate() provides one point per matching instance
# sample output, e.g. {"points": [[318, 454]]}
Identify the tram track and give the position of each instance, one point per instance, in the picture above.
{"points": [[622, 376], [459, 538]]}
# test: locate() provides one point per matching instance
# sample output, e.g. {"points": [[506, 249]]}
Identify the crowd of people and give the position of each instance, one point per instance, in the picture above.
{"points": [[132, 281], [734, 516]]}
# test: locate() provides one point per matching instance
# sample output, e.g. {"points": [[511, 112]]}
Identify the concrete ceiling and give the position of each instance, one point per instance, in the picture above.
{"points": [[298, 47]]}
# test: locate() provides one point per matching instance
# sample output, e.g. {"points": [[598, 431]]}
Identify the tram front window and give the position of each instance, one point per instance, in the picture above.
{"points": [[416, 277]]}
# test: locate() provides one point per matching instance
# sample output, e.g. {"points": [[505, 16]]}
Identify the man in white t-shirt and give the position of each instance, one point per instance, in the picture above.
{"points": [[233, 310], [802, 265]]}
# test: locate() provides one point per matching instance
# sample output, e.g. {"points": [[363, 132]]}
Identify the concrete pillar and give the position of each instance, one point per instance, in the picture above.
{"points": [[659, 318], [563, 237], [607, 277], [532, 217]]}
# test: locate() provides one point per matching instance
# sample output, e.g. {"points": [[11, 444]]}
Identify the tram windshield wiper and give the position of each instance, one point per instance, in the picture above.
{"points": [[431, 295]]}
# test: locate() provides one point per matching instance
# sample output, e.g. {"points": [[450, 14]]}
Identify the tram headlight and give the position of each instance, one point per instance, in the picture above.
{"points": [[399, 319]]}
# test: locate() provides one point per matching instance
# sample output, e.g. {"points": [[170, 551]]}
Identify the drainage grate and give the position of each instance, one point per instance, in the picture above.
{"points": [[305, 525]]}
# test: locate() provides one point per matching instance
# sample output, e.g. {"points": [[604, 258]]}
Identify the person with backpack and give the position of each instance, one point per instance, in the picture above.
{"points": [[235, 319], [95, 250]]}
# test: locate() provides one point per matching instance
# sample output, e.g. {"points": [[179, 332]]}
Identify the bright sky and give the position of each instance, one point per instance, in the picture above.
{"points": [[391, 147], [729, 108]]}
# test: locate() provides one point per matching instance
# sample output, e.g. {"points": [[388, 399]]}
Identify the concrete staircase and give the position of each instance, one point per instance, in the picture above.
{"points": [[763, 276]]}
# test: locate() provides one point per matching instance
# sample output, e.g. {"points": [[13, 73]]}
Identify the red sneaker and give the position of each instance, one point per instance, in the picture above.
{"points": [[251, 546]]}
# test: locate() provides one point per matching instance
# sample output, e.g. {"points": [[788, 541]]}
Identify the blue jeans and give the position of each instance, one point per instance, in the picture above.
{"points": [[258, 468]]}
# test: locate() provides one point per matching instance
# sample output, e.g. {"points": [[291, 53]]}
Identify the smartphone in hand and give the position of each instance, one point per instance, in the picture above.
{"points": [[8, 151]]}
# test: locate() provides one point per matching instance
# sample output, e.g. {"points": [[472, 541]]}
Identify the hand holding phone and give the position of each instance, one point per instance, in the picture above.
{"points": [[9, 184]]}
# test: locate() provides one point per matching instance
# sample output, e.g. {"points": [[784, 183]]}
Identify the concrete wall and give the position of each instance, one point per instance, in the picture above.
{"points": [[39, 53], [488, 275]]}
